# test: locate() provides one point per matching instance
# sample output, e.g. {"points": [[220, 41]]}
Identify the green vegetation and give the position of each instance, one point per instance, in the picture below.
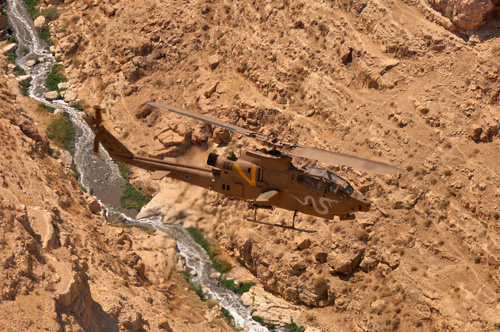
{"points": [[11, 58], [44, 34], [240, 289], [24, 85], [292, 327], [226, 314], [261, 321], [49, 109], [50, 14], [18, 71], [61, 131], [11, 38], [55, 77], [78, 106], [196, 288], [31, 5], [220, 265], [124, 170], [4, 13], [91, 191], [75, 173], [132, 198]]}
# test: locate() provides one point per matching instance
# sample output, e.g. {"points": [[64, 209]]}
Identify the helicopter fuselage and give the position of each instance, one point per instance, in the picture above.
{"points": [[264, 179]]}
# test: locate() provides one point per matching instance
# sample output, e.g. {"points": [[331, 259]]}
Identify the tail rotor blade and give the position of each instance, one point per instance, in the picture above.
{"points": [[96, 144], [98, 116]]}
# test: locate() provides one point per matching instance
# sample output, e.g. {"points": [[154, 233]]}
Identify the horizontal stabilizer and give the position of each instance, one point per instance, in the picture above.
{"points": [[266, 197], [158, 175]]}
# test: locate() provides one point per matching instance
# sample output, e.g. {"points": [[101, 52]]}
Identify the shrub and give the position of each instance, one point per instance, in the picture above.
{"points": [[31, 5], [55, 77], [11, 58], [61, 131], [124, 170], [78, 107], [24, 85], [75, 173], [49, 109], [44, 34], [220, 265], [292, 327], [132, 199], [18, 71], [262, 322], [240, 289], [196, 288], [226, 314], [50, 14]]}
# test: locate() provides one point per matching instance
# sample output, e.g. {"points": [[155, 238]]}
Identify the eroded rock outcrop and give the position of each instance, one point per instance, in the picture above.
{"points": [[468, 14]]}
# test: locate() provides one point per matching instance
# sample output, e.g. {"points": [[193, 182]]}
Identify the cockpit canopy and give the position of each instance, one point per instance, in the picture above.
{"points": [[333, 182]]}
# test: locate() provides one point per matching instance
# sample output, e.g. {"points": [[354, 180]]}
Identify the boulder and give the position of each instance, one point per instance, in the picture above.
{"points": [[345, 262], [302, 242], [59, 111], [210, 90], [221, 136], [213, 61], [51, 95], [144, 111], [200, 134], [24, 78], [93, 205], [40, 22], [9, 49], [70, 43], [170, 138], [63, 85], [66, 159], [69, 96], [30, 63]]}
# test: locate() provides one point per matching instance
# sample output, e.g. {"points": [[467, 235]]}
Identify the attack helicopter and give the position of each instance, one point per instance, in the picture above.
{"points": [[265, 178]]}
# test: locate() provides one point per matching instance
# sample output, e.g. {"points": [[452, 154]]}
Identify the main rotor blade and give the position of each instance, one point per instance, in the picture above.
{"points": [[205, 118], [344, 160]]}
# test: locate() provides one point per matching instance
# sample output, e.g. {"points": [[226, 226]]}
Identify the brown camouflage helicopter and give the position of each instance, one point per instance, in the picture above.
{"points": [[264, 178]]}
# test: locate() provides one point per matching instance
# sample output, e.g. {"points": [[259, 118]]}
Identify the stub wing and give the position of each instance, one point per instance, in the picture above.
{"points": [[267, 197], [158, 175]]}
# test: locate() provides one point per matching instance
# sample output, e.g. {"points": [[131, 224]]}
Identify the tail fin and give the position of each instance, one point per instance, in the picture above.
{"points": [[114, 147]]}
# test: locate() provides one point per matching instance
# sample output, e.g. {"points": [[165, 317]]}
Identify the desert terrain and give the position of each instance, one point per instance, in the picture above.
{"points": [[412, 83]]}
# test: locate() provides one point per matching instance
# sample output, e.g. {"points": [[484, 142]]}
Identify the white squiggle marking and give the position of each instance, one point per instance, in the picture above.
{"points": [[310, 200]]}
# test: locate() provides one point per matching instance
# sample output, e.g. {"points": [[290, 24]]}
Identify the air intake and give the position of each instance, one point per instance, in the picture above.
{"points": [[212, 159]]}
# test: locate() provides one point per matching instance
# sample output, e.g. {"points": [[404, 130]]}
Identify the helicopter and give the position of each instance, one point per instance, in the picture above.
{"points": [[265, 178]]}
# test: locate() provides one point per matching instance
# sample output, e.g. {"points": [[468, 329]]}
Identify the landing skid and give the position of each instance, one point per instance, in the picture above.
{"points": [[255, 207]]}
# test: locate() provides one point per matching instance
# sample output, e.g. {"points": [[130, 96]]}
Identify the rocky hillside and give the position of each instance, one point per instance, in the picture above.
{"points": [[62, 267], [406, 82]]}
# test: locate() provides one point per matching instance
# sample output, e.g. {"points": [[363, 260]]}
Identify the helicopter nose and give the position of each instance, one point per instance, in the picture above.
{"points": [[361, 200]]}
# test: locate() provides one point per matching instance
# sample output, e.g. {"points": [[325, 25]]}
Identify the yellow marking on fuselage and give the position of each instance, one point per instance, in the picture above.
{"points": [[252, 182]]}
